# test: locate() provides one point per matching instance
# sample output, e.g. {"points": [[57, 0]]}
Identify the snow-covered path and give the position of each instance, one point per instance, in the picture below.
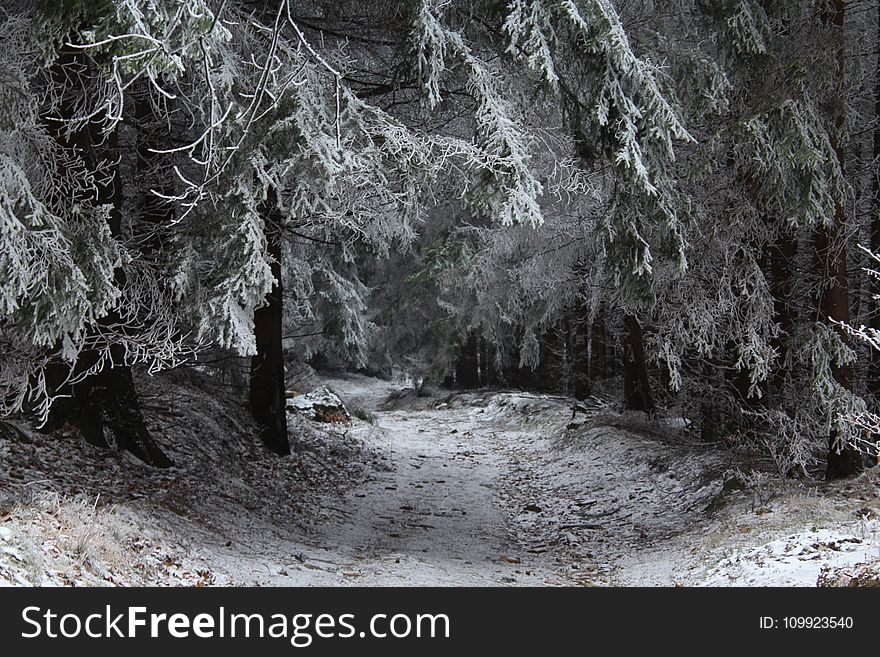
{"points": [[490, 489], [436, 515], [434, 509], [461, 489], [482, 489]]}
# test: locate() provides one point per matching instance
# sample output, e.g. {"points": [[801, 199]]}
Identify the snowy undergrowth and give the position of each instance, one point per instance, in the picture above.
{"points": [[793, 534], [74, 514], [593, 486], [51, 540], [630, 501]]}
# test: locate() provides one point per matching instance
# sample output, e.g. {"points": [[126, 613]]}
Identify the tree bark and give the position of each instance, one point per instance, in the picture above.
{"points": [[466, 368], [843, 460], [487, 363], [636, 384], [711, 420], [267, 392], [107, 400], [598, 364], [581, 351], [874, 320]]}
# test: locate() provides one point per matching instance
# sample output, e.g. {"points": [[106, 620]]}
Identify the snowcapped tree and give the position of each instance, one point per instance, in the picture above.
{"points": [[266, 133], [722, 275], [538, 193]]}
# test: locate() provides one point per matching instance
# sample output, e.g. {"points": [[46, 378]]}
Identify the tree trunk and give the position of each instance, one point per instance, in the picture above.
{"points": [[488, 375], [466, 368], [711, 423], [598, 368], [267, 393], [874, 320], [873, 366], [636, 384], [581, 351], [108, 401], [105, 401], [843, 460]]}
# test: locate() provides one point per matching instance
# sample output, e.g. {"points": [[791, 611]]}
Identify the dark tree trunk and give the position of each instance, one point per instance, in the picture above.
{"points": [[581, 351], [741, 382], [636, 384], [105, 401], [481, 361], [873, 365], [466, 367], [708, 422], [874, 320], [73, 408], [267, 393], [487, 363], [780, 258], [843, 460], [710, 413], [598, 366]]}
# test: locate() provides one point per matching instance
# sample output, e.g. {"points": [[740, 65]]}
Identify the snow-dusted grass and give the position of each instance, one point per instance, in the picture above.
{"points": [[792, 534], [797, 559], [74, 514], [48, 539]]}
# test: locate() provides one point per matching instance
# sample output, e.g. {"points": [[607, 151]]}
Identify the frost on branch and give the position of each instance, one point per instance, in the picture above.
{"points": [[509, 191]]}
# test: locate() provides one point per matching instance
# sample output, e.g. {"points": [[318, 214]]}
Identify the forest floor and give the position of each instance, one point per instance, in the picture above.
{"points": [[484, 488]]}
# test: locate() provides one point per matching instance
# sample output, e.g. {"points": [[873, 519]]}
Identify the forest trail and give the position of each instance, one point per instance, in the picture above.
{"points": [[437, 514], [483, 488], [510, 488], [486, 488], [436, 507]]}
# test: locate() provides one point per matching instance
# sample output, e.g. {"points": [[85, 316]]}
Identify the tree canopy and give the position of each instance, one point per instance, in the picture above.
{"points": [[661, 202]]}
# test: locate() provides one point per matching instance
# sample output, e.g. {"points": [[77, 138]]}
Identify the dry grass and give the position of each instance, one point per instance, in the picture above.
{"points": [[53, 539], [860, 575]]}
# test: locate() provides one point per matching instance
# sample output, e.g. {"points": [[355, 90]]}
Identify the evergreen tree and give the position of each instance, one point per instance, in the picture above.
{"points": [[577, 195]]}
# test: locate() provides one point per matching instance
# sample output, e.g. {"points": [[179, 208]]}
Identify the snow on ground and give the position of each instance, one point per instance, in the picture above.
{"points": [[437, 514], [797, 559], [483, 488], [791, 535]]}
